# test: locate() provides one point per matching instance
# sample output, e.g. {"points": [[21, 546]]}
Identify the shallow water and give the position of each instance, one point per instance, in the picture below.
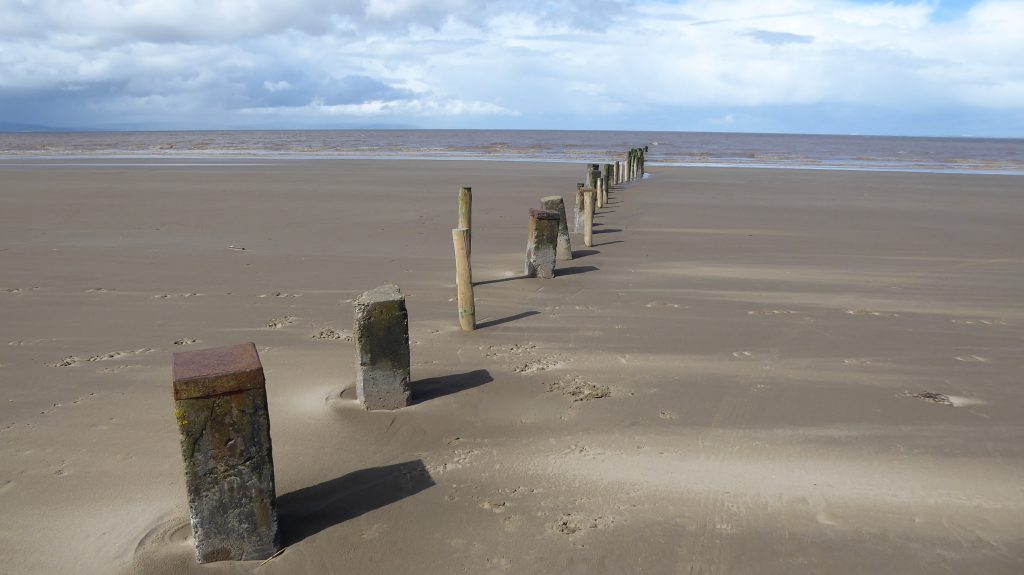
{"points": [[961, 155]]}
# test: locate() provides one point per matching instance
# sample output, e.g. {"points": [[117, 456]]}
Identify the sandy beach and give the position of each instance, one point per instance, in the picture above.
{"points": [[752, 371]]}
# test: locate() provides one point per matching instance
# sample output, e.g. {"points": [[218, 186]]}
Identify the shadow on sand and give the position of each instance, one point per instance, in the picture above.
{"points": [[434, 387], [310, 510], [574, 270]]}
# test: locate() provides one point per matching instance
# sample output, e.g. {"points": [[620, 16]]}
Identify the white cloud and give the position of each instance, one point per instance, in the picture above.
{"points": [[421, 59]]}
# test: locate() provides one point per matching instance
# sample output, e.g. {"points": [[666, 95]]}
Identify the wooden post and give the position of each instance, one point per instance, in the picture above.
{"points": [[588, 217], [464, 279], [466, 215], [220, 402], [578, 210], [600, 195]]}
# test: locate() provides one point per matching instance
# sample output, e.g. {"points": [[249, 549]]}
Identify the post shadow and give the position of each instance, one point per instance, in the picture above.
{"points": [[434, 387], [609, 243], [499, 280], [312, 509], [607, 231], [559, 272], [577, 254], [499, 321]]}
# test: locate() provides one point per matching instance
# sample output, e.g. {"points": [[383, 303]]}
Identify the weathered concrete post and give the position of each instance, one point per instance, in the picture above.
{"points": [[615, 172], [464, 280], [220, 402], [466, 214], [600, 192], [542, 243], [578, 210], [589, 198], [381, 329], [556, 204]]}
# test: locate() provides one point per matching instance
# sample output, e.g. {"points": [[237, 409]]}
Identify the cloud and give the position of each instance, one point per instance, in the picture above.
{"points": [[779, 38], [564, 63]]}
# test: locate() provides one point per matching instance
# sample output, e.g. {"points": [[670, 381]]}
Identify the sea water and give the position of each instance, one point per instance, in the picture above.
{"points": [[959, 155]]}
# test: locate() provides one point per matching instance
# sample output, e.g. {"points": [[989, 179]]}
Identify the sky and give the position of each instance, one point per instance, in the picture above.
{"points": [[928, 67]]}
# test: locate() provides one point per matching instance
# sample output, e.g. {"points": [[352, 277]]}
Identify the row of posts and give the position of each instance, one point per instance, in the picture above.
{"points": [[220, 393]]}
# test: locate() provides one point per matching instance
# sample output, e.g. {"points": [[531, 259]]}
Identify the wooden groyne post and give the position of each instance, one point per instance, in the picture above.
{"points": [[464, 279], [578, 210], [466, 215], [220, 402], [589, 198]]}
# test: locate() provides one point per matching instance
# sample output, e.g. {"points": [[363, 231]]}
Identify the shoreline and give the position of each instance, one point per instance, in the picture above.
{"points": [[264, 160]]}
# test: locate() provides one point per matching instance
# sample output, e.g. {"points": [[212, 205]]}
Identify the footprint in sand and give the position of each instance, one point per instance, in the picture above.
{"points": [[742, 355], [186, 341], [280, 322], [871, 313], [329, 333], [771, 312], [857, 361], [577, 388], [971, 358], [667, 415], [572, 524], [660, 304], [523, 359], [459, 459], [987, 322], [176, 295], [100, 290], [495, 505], [119, 354], [68, 361], [280, 294]]}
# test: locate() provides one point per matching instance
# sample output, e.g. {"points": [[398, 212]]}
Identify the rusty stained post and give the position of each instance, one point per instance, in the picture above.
{"points": [[220, 403]]}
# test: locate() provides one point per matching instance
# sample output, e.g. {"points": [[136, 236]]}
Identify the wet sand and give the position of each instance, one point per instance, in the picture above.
{"points": [[724, 383]]}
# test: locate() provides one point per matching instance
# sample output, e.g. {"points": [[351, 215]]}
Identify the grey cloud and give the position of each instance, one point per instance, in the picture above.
{"points": [[186, 21], [301, 91]]}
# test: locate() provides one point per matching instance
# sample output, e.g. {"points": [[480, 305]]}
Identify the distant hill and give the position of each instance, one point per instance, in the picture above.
{"points": [[16, 127]]}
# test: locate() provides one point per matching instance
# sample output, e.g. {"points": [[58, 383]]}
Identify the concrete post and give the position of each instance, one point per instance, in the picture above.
{"points": [[589, 197], [542, 243], [220, 402], [381, 329], [556, 204], [464, 280]]}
